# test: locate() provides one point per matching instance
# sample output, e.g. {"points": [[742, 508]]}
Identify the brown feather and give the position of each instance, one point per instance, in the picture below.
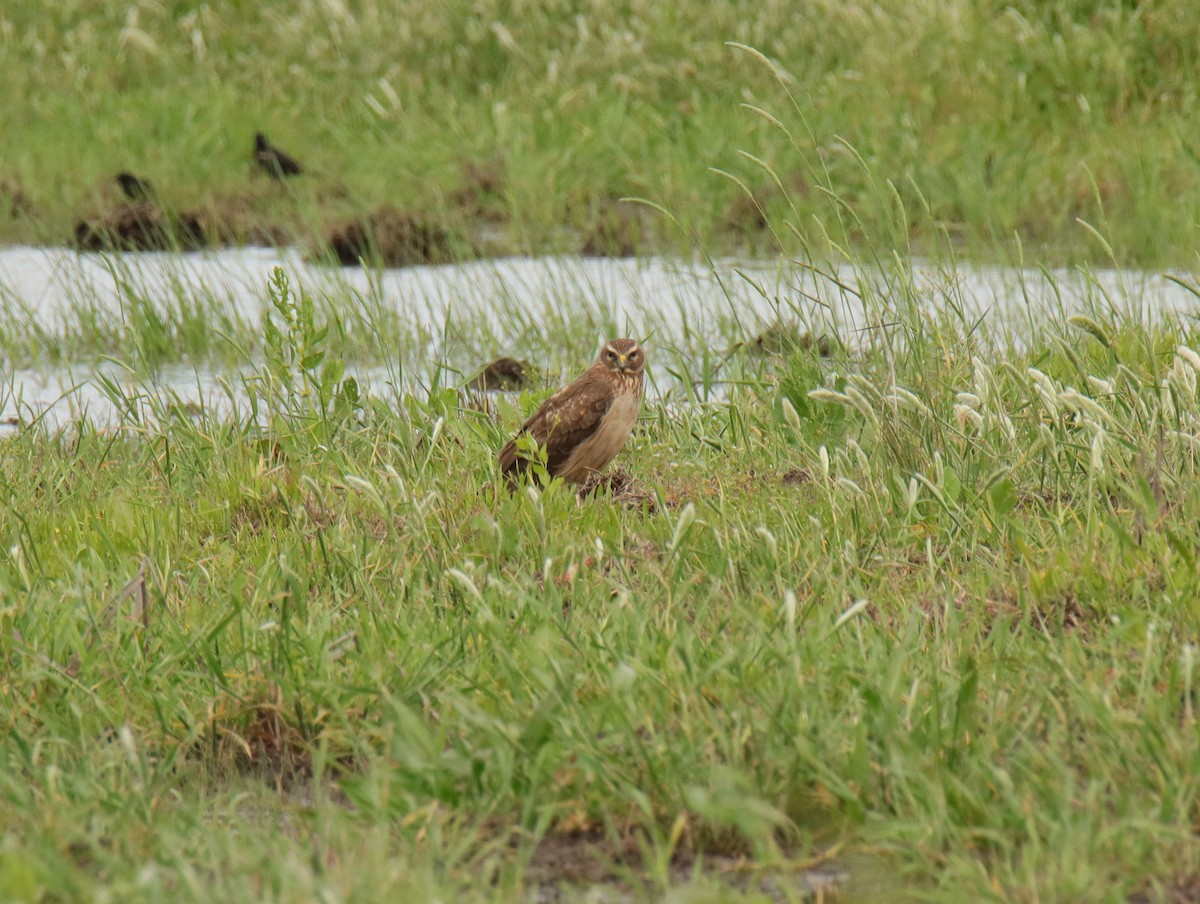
{"points": [[563, 421]]}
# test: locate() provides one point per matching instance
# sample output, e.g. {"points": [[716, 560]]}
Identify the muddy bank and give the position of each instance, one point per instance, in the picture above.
{"points": [[275, 208], [283, 204], [389, 238], [140, 226]]}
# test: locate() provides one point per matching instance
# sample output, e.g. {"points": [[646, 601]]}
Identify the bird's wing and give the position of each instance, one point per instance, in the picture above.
{"points": [[565, 420]]}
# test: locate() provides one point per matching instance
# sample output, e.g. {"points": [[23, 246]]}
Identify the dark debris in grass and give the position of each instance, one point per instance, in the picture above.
{"points": [[794, 477], [240, 218], [504, 374], [390, 238], [750, 212], [231, 220], [620, 487], [139, 226]]}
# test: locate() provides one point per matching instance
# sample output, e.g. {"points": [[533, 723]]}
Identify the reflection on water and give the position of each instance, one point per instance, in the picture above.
{"points": [[107, 392], [679, 302]]}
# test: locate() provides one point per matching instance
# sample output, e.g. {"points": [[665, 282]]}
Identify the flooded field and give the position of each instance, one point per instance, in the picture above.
{"points": [[425, 326]]}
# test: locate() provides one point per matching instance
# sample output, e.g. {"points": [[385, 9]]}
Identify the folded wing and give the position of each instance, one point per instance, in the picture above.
{"points": [[566, 419]]}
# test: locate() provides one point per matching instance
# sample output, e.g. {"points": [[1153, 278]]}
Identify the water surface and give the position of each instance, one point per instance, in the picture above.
{"points": [[676, 302]]}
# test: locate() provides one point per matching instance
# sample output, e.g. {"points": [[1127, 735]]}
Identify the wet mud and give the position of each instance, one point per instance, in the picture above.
{"points": [[390, 238]]}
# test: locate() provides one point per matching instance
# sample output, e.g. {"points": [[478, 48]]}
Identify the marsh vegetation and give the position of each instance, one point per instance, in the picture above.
{"points": [[893, 594], [989, 122]]}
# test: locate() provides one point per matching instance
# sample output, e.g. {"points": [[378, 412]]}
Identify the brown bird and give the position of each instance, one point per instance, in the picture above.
{"points": [[584, 425], [272, 161]]}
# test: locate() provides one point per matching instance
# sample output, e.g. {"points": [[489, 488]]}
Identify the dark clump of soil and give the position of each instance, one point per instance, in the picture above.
{"points": [[139, 226], [621, 488], [138, 221], [481, 194], [390, 238], [617, 229], [507, 374]]}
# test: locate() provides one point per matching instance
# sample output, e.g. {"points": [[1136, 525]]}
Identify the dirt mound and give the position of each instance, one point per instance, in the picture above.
{"points": [[507, 374], [794, 477], [390, 238], [139, 226], [620, 487]]}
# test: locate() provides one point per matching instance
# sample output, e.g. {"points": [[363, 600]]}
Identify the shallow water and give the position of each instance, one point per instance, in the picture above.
{"points": [[677, 301]]}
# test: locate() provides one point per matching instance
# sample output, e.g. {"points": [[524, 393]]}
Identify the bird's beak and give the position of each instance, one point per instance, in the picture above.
{"points": [[623, 363]]}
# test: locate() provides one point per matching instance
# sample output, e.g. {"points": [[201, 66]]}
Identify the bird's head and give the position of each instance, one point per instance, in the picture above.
{"points": [[623, 355], [260, 141]]}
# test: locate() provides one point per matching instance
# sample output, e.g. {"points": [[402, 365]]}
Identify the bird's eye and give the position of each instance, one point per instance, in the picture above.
{"points": [[611, 355], [634, 354]]}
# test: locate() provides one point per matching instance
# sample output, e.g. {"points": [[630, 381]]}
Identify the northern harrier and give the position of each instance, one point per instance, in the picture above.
{"points": [[272, 161], [584, 425]]}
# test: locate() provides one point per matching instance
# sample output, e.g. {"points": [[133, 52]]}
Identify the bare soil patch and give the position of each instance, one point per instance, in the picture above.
{"points": [[794, 477], [621, 487]]}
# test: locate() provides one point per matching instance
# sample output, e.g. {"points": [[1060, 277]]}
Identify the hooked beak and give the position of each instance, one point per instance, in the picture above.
{"points": [[623, 363]]}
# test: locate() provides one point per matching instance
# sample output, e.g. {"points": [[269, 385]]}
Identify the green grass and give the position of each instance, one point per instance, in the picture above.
{"points": [[1004, 120], [312, 650], [924, 609]]}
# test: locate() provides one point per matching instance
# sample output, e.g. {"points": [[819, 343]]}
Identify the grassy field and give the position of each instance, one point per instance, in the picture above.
{"points": [[907, 614], [921, 614], [519, 125]]}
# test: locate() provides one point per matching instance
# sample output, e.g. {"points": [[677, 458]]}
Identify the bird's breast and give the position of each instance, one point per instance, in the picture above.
{"points": [[602, 446]]}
